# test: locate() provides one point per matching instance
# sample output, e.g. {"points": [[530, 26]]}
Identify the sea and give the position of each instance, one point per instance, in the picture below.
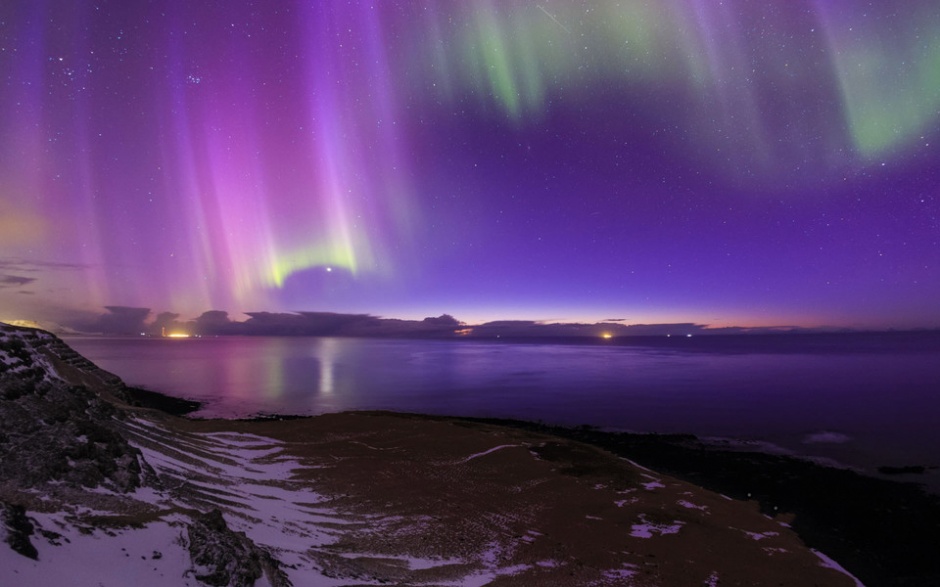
{"points": [[862, 400]]}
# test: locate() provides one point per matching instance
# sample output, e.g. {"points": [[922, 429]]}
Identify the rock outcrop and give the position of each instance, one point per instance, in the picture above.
{"points": [[224, 557], [15, 530], [53, 430]]}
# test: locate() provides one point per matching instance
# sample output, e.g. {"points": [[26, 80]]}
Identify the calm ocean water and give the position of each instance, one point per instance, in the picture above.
{"points": [[863, 400]]}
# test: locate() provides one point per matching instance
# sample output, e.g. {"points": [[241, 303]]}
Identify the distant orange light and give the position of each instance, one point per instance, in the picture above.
{"points": [[607, 335], [177, 335], [463, 331]]}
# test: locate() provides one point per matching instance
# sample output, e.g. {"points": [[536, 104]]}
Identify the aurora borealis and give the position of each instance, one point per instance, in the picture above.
{"points": [[718, 162]]}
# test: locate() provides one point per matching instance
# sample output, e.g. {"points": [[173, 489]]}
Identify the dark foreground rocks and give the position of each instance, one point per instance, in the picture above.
{"points": [[51, 431], [224, 557], [16, 529]]}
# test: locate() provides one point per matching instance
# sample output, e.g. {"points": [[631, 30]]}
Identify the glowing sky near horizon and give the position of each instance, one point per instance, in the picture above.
{"points": [[749, 163]]}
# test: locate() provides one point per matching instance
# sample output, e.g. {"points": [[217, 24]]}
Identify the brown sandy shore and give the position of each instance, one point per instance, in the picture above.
{"points": [[380, 498]]}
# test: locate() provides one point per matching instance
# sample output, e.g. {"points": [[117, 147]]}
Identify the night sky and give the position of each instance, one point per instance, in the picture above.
{"points": [[725, 163]]}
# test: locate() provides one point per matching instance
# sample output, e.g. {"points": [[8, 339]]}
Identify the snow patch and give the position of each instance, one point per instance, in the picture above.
{"points": [[653, 483], [530, 536], [486, 452], [637, 465], [620, 574], [831, 564], [691, 506], [151, 556], [760, 535], [647, 529]]}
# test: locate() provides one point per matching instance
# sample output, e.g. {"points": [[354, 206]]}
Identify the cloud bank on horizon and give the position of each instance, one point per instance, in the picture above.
{"points": [[132, 321], [732, 163]]}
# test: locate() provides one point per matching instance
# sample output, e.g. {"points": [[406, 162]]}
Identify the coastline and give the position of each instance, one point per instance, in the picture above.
{"points": [[459, 501], [860, 405], [854, 518]]}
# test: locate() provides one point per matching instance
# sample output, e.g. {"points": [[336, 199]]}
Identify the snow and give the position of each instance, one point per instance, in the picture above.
{"points": [[253, 481], [531, 536], [637, 465], [248, 477], [691, 506], [652, 483], [831, 564], [421, 564], [486, 452], [647, 529], [621, 574], [760, 535], [128, 558], [490, 560]]}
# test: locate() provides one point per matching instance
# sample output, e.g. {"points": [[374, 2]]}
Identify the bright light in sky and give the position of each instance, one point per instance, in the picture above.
{"points": [[649, 160]]}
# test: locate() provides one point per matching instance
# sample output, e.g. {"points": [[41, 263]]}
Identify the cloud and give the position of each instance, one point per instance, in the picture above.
{"points": [[125, 320], [309, 324], [15, 280], [29, 266], [325, 324], [444, 320], [533, 329], [213, 322], [120, 320]]}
